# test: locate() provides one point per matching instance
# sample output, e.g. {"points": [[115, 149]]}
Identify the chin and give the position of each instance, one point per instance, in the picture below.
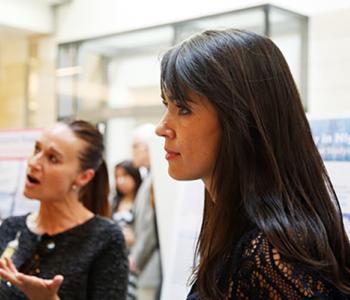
{"points": [[28, 194], [182, 176]]}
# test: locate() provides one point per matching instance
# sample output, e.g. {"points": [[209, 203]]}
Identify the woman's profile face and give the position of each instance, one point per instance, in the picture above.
{"points": [[54, 164], [192, 138]]}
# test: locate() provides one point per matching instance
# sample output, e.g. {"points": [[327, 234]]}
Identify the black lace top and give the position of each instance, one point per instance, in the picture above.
{"points": [[259, 271]]}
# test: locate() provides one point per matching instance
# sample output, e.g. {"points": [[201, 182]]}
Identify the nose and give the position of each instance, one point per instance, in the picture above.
{"points": [[164, 130], [34, 162]]}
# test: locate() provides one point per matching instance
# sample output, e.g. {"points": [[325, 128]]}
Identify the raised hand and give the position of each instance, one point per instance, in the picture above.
{"points": [[33, 287]]}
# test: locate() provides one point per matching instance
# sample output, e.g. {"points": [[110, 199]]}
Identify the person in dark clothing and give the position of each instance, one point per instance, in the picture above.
{"points": [[69, 249], [272, 225]]}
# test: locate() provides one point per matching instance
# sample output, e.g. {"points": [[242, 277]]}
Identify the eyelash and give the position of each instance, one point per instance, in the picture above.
{"points": [[53, 159], [181, 110], [36, 149]]}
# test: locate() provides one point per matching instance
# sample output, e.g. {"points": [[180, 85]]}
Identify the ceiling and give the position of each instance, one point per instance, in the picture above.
{"points": [[56, 2]]}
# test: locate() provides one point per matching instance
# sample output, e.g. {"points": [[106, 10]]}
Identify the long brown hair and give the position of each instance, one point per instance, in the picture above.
{"points": [[94, 195], [268, 171]]}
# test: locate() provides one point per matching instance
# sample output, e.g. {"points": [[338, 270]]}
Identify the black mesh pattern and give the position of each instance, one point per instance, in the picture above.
{"points": [[259, 271], [264, 273]]}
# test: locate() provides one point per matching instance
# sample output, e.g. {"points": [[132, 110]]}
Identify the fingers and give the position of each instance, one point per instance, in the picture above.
{"points": [[26, 280], [38, 288], [9, 276], [55, 283], [33, 281], [29, 280], [8, 271], [4, 266], [11, 265], [32, 286]]}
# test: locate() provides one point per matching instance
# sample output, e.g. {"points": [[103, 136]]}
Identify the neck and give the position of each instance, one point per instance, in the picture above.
{"points": [[128, 197], [208, 187], [58, 216]]}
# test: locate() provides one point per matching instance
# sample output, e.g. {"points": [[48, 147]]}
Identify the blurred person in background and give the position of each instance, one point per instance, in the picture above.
{"points": [[127, 183], [69, 250], [272, 225], [144, 256]]}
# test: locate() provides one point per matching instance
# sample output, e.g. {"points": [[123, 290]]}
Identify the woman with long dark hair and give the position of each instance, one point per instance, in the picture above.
{"points": [[127, 182], [68, 250], [272, 226]]}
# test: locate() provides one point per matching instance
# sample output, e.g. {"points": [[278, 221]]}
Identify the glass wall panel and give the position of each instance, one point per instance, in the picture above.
{"points": [[67, 73], [289, 32], [250, 19], [115, 79]]}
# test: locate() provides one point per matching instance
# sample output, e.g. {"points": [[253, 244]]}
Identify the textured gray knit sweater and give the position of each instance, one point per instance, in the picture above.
{"points": [[91, 257]]}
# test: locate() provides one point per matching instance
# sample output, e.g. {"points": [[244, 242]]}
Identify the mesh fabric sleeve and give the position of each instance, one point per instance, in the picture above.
{"points": [[264, 273]]}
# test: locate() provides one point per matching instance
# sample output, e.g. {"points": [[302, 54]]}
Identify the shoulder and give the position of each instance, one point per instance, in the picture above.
{"points": [[9, 229], [109, 246], [14, 222], [106, 224], [100, 237], [145, 185], [263, 269], [107, 228]]}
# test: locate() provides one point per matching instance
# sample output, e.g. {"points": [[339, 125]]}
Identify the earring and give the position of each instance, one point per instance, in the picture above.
{"points": [[74, 187]]}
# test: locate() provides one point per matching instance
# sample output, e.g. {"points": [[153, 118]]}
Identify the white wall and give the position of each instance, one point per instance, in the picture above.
{"points": [[28, 15], [329, 63], [44, 91]]}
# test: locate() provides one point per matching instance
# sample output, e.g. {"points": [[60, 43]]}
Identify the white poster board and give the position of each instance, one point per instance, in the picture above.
{"points": [[15, 147], [179, 206], [332, 137]]}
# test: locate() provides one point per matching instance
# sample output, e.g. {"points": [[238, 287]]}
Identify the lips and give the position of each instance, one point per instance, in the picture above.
{"points": [[171, 154], [32, 179]]}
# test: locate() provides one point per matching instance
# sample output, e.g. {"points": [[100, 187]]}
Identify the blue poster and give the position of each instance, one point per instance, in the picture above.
{"points": [[332, 138]]}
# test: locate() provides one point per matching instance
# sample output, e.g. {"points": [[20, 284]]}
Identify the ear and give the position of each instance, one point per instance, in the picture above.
{"points": [[84, 177]]}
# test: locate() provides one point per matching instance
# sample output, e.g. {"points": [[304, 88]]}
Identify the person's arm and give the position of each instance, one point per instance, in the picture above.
{"points": [[146, 242], [33, 287], [108, 276]]}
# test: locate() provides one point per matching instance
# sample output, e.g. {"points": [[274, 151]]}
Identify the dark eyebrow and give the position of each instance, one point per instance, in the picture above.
{"points": [[38, 144], [56, 152], [187, 103]]}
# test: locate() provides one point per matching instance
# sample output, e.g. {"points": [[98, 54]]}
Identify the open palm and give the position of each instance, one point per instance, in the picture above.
{"points": [[33, 287]]}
